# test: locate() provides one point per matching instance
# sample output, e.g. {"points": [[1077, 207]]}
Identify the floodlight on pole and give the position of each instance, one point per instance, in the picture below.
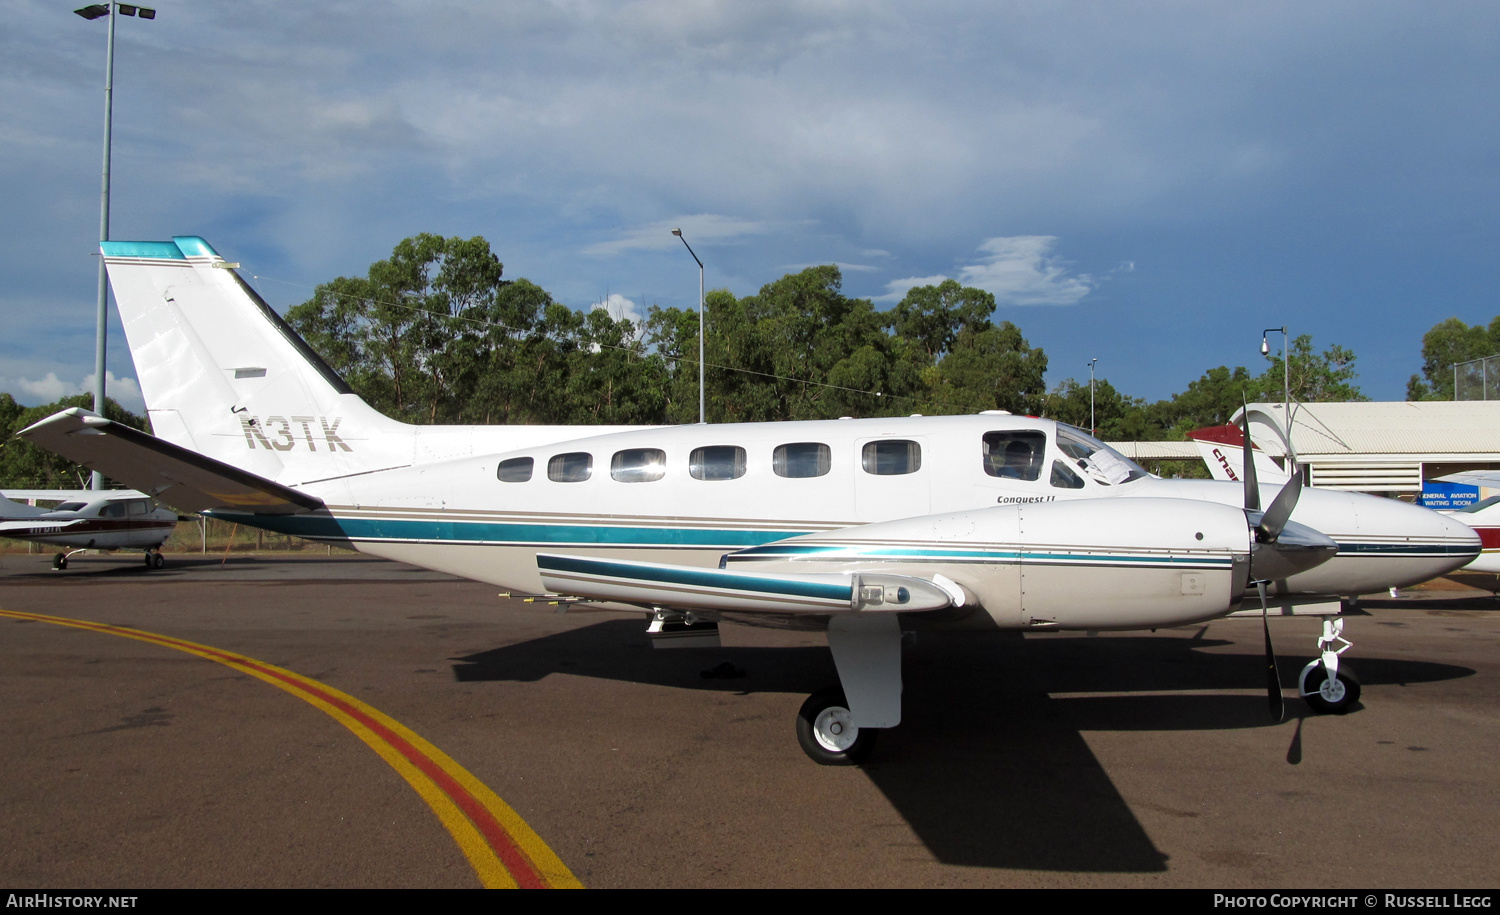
{"points": [[1286, 372], [101, 329], [1093, 427], [702, 400]]}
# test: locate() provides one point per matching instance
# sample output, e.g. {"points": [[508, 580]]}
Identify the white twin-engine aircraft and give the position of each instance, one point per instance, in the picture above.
{"points": [[862, 527]]}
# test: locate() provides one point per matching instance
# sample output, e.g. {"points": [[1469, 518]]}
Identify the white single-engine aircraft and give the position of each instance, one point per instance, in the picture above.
{"points": [[862, 527], [91, 520]]}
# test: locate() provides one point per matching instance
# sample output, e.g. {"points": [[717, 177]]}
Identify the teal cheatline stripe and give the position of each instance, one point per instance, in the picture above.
{"points": [[157, 249], [193, 246], [903, 553], [489, 532], [695, 577]]}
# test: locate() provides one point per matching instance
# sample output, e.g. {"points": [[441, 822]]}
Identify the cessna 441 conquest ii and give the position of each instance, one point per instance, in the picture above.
{"points": [[863, 528]]}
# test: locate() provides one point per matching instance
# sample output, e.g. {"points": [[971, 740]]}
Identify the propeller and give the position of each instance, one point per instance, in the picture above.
{"points": [[1282, 548]]}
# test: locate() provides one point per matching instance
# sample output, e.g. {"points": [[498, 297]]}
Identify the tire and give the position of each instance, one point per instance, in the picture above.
{"points": [[147, 560], [1335, 701], [60, 561], [156, 560], [823, 731]]}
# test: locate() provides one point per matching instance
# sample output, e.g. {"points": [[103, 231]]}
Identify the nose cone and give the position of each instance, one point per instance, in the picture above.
{"points": [[1383, 543]]}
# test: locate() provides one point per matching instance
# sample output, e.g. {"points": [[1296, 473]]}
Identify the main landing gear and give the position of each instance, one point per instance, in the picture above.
{"points": [[1327, 687], [837, 726], [826, 731]]}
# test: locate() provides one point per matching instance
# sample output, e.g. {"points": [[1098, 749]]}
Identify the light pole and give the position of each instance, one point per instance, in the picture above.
{"points": [[1093, 427], [101, 328], [702, 412], [1286, 373]]}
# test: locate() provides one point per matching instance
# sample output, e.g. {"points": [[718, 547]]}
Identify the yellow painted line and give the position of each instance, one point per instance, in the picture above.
{"points": [[503, 850]]}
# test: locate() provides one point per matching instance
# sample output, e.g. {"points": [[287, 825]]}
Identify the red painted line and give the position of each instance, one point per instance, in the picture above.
{"points": [[505, 847]]}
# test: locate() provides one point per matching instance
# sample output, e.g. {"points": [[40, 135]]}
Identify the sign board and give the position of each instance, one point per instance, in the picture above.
{"points": [[1448, 495]]}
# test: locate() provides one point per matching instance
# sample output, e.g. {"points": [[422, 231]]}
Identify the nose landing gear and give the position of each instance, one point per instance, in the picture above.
{"points": [[1324, 685]]}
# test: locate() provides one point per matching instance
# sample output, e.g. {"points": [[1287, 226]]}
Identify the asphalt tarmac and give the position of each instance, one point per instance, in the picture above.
{"points": [[1049, 760]]}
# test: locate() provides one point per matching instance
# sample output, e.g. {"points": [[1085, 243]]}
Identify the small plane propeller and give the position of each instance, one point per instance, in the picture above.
{"points": [[1281, 549]]}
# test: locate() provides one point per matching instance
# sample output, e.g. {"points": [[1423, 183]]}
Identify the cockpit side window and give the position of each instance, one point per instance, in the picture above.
{"points": [[112, 510], [1014, 455], [139, 508], [1063, 478]]}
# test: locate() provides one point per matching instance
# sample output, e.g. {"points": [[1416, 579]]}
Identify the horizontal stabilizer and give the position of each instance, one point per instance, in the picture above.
{"points": [[692, 588], [35, 527], [179, 477]]}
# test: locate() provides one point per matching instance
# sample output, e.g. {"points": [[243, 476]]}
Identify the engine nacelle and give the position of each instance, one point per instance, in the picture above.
{"points": [[1087, 564]]}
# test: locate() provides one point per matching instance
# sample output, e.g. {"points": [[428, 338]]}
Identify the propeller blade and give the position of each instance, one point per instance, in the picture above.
{"points": [[1273, 676], [1252, 488], [1274, 520]]}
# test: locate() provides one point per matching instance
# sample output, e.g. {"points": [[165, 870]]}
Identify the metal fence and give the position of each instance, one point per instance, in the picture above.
{"points": [[1477, 379]]}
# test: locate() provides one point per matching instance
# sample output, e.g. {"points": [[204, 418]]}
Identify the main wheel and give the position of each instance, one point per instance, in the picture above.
{"points": [[826, 731], [147, 559], [1329, 698], [60, 561], [156, 560]]}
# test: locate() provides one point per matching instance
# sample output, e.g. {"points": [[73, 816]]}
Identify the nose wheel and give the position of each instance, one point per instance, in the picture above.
{"points": [[1326, 685], [826, 731], [154, 559]]}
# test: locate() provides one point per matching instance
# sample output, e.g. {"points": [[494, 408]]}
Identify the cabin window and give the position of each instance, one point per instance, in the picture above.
{"points": [[573, 467], [638, 465], [717, 462], [801, 459], [1064, 478], [891, 457], [1014, 455], [514, 470], [139, 508], [112, 510]]}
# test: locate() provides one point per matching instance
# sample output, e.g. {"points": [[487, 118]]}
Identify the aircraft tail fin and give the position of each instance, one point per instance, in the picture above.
{"points": [[223, 375]]}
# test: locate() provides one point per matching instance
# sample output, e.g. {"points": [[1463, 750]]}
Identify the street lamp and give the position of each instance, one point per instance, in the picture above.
{"points": [[101, 329], [1093, 427], [1286, 373], [702, 413]]}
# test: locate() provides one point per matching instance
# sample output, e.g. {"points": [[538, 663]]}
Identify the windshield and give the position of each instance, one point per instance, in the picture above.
{"points": [[1102, 463]]}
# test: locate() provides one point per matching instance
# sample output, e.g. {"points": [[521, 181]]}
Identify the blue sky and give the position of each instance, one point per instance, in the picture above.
{"points": [[1147, 183]]}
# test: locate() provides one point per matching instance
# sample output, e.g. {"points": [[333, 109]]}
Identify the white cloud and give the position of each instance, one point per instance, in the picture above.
{"points": [[896, 290], [31, 393], [1021, 270], [702, 230], [1016, 269], [623, 309]]}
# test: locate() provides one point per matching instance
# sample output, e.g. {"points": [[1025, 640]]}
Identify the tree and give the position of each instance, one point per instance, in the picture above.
{"points": [[1315, 378], [434, 335], [1446, 343]]}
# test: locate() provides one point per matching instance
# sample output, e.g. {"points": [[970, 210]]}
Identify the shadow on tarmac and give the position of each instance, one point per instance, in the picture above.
{"points": [[987, 767]]}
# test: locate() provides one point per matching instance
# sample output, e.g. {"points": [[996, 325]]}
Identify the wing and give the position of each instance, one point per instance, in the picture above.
{"points": [[175, 475], [651, 584]]}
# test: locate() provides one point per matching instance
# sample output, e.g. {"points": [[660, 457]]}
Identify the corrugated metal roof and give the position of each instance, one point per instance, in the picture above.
{"points": [[1464, 427], [1157, 451]]}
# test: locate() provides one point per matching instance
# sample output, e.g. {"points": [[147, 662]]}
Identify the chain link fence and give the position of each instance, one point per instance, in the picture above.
{"points": [[1477, 379]]}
